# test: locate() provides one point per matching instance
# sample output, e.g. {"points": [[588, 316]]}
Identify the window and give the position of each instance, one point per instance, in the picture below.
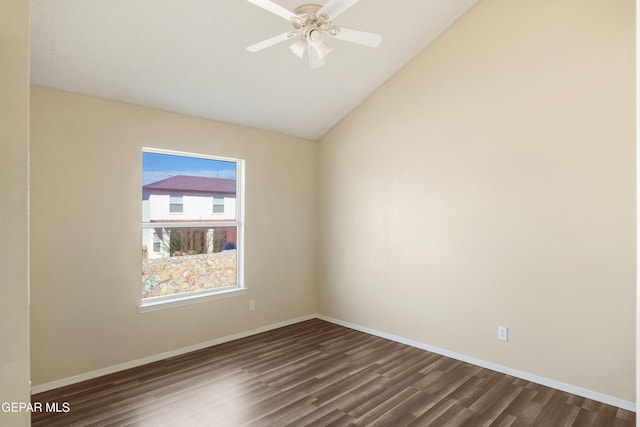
{"points": [[198, 254], [176, 203], [157, 243], [218, 204]]}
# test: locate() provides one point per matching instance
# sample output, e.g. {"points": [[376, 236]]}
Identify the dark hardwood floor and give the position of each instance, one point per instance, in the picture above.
{"points": [[318, 373]]}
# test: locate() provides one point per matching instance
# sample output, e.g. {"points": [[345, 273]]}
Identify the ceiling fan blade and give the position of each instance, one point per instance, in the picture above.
{"points": [[333, 8], [270, 42], [275, 8], [315, 60], [359, 37]]}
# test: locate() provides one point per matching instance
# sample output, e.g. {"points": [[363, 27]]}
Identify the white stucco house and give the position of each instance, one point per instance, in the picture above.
{"points": [[182, 199]]}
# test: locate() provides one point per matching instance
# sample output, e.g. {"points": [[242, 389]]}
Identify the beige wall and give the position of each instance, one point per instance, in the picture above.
{"points": [[85, 248], [14, 140], [491, 182]]}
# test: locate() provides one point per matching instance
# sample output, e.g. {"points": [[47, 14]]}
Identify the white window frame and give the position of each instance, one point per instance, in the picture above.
{"points": [[174, 300]]}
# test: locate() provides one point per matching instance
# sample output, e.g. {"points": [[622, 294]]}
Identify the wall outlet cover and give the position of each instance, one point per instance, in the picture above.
{"points": [[503, 333]]}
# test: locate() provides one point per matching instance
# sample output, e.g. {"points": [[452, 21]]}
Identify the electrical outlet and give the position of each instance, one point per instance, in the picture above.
{"points": [[503, 333], [252, 305]]}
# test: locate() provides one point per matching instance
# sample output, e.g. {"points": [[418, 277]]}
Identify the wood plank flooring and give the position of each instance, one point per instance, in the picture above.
{"points": [[319, 374]]}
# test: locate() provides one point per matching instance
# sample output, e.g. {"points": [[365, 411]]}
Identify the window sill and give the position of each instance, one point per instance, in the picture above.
{"points": [[180, 300]]}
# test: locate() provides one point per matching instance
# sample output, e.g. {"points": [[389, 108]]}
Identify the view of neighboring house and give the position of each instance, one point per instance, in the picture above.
{"points": [[187, 199]]}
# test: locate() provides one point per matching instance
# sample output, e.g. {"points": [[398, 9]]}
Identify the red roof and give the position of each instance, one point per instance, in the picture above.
{"points": [[199, 184]]}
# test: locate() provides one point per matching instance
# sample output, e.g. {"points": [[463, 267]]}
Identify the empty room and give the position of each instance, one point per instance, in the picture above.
{"points": [[274, 212]]}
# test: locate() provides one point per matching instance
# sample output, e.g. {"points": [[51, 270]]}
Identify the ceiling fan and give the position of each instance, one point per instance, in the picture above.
{"points": [[312, 25]]}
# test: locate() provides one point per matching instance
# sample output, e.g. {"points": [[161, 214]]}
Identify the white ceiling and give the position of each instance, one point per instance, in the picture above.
{"points": [[189, 56]]}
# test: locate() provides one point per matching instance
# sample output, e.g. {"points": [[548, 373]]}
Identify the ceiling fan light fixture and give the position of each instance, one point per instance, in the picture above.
{"points": [[313, 58], [298, 48], [323, 49], [314, 36]]}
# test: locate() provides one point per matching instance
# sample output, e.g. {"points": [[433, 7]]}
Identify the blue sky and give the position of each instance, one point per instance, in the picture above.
{"points": [[156, 166]]}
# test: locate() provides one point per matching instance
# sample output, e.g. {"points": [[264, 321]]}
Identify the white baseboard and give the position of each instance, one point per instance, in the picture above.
{"points": [[579, 391], [145, 360]]}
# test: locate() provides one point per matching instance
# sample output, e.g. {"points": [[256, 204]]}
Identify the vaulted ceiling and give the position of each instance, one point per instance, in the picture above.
{"points": [[190, 57]]}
